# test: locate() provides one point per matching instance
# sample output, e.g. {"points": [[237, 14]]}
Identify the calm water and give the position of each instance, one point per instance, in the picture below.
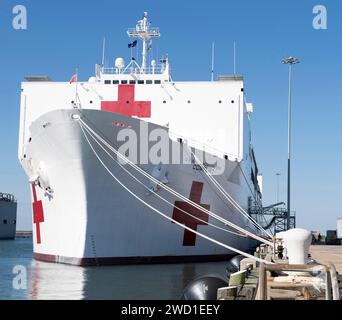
{"points": [[56, 281]]}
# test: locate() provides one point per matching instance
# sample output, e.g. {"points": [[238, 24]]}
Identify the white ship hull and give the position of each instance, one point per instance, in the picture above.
{"points": [[90, 219], [89, 209]]}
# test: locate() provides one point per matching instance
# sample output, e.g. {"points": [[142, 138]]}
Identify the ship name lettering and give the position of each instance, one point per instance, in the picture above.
{"points": [[198, 167]]}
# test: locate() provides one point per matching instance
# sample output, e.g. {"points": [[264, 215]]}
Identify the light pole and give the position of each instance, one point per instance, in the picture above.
{"points": [[289, 61], [278, 175]]}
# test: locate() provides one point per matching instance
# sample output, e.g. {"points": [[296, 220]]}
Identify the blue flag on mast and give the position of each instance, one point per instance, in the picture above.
{"points": [[132, 44]]}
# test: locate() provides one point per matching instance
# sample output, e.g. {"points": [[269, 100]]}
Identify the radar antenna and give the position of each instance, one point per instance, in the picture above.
{"points": [[144, 32]]}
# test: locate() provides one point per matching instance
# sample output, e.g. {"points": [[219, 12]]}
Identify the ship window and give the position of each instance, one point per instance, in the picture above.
{"points": [[5, 221], [107, 82], [189, 101], [164, 101], [233, 101], [123, 81], [157, 82], [116, 81], [140, 81], [14, 221], [241, 89], [91, 101], [220, 101], [149, 81], [131, 81], [249, 202]]}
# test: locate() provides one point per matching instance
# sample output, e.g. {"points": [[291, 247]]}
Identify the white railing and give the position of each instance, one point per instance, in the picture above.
{"points": [[133, 70]]}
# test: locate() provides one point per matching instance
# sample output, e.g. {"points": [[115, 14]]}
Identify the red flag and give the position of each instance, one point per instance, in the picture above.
{"points": [[73, 78]]}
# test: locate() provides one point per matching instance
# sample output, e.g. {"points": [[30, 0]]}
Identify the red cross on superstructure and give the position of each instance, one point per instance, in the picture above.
{"points": [[126, 104], [38, 212], [189, 238]]}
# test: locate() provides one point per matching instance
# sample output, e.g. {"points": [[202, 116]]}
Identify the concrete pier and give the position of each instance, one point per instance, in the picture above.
{"points": [[326, 254], [23, 234]]}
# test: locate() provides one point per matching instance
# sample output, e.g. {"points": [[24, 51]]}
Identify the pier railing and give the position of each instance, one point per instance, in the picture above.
{"points": [[331, 281]]}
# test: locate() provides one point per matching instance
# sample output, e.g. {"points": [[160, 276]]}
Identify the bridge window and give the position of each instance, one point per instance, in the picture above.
{"points": [[157, 82], [123, 81], [132, 81], [140, 81], [149, 81], [116, 81], [107, 82]]}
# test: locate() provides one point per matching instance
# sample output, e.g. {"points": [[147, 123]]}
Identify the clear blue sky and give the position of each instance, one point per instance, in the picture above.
{"points": [[63, 35]]}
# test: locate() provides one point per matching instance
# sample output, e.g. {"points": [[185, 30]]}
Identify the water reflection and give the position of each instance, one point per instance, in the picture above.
{"points": [[130, 282], [53, 281]]}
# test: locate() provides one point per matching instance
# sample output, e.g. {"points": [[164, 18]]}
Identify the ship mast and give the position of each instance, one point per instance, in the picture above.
{"points": [[144, 32]]}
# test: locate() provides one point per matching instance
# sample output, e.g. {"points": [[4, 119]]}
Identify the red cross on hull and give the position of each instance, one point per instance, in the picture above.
{"points": [[126, 104], [38, 213], [189, 238]]}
